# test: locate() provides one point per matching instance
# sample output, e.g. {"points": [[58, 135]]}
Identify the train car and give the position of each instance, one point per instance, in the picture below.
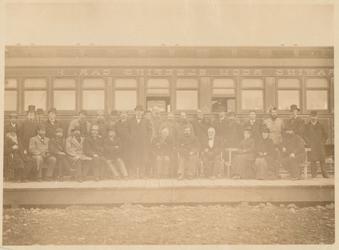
{"points": [[213, 79]]}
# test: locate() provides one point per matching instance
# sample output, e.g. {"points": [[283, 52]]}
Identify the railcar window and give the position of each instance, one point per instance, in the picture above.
{"points": [[187, 94], [35, 93], [317, 93], [125, 94], [11, 95], [158, 94], [64, 94], [223, 95], [252, 94], [288, 93], [93, 94]]}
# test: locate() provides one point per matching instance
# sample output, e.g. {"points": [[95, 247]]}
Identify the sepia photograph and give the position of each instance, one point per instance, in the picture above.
{"points": [[172, 123]]}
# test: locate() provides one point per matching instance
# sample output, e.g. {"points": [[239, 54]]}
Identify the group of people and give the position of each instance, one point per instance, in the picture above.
{"points": [[148, 145]]}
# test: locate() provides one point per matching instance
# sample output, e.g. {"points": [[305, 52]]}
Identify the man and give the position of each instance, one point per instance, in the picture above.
{"points": [[140, 133], [28, 130], [113, 155], [13, 124], [255, 125], [242, 164], [51, 124], [212, 148], [296, 122], [264, 166], [101, 123], [275, 125], [315, 137], [200, 126], [38, 147], [233, 134], [13, 164], [155, 121], [75, 153], [57, 149], [81, 123], [188, 148], [163, 149], [94, 148], [113, 119], [181, 124], [220, 125], [123, 133], [293, 152]]}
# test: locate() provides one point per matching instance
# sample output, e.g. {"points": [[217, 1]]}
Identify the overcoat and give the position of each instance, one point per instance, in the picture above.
{"points": [[315, 137]]}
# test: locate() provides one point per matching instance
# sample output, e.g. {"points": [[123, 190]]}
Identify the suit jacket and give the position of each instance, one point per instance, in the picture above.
{"points": [[215, 150], [188, 144], [27, 130], [93, 146], [163, 147], [294, 144], [220, 127], [112, 149], [51, 128], [256, 128], [200, 128], [233, 134], [74, 148], [140, 134], [276, 128], [265, 146], [315, 137], [38, 146], [57, 145], [9, 126], [298, 125]]}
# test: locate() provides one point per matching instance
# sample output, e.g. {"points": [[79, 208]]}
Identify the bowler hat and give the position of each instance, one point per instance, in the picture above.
{"points": [[294, 107]]}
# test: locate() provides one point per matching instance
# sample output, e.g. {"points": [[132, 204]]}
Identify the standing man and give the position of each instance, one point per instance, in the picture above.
{"points": [[234, 133], [122, 131], [255, 125], [27, 130], [315, 137], [200, 126], [38, 147], [101, 123], [276, 126], [51, 124], [140, 132], [296, 122], [81, 123]]}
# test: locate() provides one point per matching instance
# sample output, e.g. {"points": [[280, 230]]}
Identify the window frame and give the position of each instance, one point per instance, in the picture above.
{"points": [[24, 89], [115, 88], [75, 89], [82, 89], [262, 89], [327, 89], [197, 88], [300, 89], [16, 89]]}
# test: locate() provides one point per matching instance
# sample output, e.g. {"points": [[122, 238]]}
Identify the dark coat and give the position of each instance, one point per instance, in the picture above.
{"points": [[140, 134], [13, 157], [103, 127], [188, 144], [294, 144], [297, 124], [57, 145], [180, 126], [51, 128], [93, 146], [122, 131], [200, 128], [112, 148], [315, 137], [220, 128], [265, 146], [233, 134], [27, 130], [211, 152], [171, 125], [256, 128], [163, 147], [9, 127]]}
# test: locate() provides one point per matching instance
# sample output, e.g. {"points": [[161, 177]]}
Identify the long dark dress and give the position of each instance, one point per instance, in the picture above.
{"points": [[242, 165]]}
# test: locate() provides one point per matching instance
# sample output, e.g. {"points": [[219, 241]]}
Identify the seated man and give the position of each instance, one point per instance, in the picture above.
{"points": [[293, 152], [38, 147], [162, 147], [242, 164], [188, 148], [264, 166], [57, 149], [94, 148], [74, 150], [113, 155], [13, 156], [212, 154]]}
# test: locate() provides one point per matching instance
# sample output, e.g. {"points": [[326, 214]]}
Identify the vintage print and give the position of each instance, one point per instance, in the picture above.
{"points": [[119, 144]]}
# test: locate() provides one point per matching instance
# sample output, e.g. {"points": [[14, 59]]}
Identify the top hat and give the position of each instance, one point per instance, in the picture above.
{"points": [[294, 107]]}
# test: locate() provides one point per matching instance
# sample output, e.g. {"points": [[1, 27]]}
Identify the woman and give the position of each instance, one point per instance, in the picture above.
{"points": [[243, 160]]}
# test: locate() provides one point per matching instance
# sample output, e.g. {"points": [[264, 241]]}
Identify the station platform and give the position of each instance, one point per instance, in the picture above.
{"points": [[167, 191]]}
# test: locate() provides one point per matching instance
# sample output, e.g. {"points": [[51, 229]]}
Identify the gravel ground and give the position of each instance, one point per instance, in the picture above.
{"points": [[135, 224]]}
